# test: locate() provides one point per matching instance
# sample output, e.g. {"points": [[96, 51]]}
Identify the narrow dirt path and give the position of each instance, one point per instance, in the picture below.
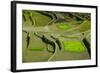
{"points": [[57, 49], [54, 54]]}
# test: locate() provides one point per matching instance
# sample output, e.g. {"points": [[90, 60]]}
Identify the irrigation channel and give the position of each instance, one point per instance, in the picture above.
{"points": [[51, 39]]}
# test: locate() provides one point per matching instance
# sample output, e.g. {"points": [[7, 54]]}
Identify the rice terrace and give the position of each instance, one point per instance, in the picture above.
{"points": [[55, 36]]}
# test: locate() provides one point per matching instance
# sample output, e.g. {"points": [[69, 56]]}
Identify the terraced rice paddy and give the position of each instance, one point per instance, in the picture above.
{"points": [[74, 46], [55, 36], [63, 26]]}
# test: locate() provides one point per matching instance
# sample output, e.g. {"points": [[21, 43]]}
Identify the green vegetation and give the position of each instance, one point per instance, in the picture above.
{"points": [[39, 19], [74, 46], [84, 26], [54, 36], [63, 26]]}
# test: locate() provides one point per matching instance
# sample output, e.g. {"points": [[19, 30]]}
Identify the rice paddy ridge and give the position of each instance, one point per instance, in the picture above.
{"points": [[57, 51]]}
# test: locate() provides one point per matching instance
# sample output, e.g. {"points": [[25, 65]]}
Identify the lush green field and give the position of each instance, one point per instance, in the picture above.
{"points": [[63, 26], [74, 46]]}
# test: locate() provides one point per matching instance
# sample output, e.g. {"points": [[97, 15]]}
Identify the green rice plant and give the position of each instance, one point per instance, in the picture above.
{"points": [[74, 46], [63, 26]]}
